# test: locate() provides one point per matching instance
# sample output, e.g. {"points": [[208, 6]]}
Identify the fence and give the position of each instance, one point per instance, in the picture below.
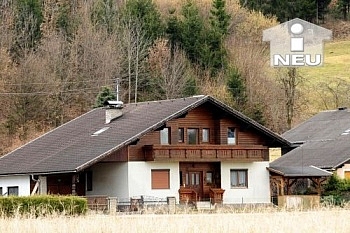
{"points": [[134, 204]]}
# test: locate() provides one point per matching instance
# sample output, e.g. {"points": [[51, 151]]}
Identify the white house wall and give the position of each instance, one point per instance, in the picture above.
{"points": [[110, 179], [140, 179], [258, 190], [23, 183]]}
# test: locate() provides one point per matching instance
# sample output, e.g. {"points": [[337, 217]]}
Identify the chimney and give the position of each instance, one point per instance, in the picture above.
{"points": [[113, 110]]}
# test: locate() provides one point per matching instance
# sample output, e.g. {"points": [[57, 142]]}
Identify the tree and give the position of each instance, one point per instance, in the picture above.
{"points": [[219, 25], [290, 80], [168, 70], [344, 8], [236, 87], [310, 10], [104, 14], [145, 13], [28, 19], [104, 95], [191, 32]]}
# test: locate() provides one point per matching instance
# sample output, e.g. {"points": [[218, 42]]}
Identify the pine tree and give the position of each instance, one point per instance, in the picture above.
{"points": [[104, 95], [28, 20]]}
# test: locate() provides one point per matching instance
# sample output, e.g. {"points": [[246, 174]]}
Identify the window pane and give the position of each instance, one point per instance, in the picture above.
{"points": [[164, 136], [239, 178], [192, 136], [209, 177], [231, 137], [160, 179], [181, 135], [234, 179], [192, 179], [187, 179], [205, 135], [12, 191], [197, 179]]}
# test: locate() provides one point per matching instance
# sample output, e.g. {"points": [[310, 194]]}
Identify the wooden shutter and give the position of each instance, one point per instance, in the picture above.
{"points": [[160, 179]]}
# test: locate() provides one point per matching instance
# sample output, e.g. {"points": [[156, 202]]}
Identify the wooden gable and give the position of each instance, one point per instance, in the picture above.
{"points": [[250, 143]]}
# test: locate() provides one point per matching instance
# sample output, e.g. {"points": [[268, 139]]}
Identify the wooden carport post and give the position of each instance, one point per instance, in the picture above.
{"points": [[74, 184]]}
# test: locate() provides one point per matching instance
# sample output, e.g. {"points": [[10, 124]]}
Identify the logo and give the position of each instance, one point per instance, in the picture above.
{"points": [[296, 43]]}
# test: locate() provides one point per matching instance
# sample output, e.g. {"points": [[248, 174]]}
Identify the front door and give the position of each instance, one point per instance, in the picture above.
{"points": [[194, 181]]}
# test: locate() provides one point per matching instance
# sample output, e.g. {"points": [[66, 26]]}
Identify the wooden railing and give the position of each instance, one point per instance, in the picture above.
{"points": [[205, 153], [216, 195], [187, 195]]}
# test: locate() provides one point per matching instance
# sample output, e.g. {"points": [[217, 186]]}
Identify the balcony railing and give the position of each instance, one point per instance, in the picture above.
{"points": [[205, 153]]}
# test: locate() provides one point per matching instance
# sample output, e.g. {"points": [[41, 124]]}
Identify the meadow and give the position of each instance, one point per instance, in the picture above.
{"points": [[321, 221], [327, 87]]}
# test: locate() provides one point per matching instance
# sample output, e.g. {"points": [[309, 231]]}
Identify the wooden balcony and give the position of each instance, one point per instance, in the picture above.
{"points": [[206, 153]]}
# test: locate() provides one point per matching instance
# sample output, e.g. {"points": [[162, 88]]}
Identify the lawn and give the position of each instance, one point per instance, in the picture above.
{"points": [[336, 63], [328, 220], [328, 87]]}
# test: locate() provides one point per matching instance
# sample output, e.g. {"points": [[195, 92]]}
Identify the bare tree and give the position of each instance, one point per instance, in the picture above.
{"points": [[334, 93], [168, 70], [290, 80], [135, 45]]}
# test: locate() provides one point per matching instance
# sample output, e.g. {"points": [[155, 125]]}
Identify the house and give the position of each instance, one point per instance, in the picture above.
{"points": [[323, 148], [192, 149]]}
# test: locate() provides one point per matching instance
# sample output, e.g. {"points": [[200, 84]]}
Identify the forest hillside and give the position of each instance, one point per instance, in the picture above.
{"points": [[60, 58]]}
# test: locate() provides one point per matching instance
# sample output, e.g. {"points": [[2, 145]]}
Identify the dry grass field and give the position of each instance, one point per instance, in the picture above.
{"points": [[327, 220]]}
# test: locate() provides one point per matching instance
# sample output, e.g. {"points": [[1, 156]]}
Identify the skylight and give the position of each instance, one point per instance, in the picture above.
{"points": [[346, 132], [98, 132]]}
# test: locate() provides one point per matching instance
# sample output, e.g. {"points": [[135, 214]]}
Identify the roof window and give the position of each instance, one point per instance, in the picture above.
{"points": [[346, 132], [98, 132]]}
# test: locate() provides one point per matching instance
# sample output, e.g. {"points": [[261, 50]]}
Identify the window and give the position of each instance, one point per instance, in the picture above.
{"points": [[89, 181], [12, 191], [0, 191], [164, 136], [205, 135], [192, 136], [231, 136], [239, 178], [160, 178], [209, 177], [192, 178], [181, 136]]}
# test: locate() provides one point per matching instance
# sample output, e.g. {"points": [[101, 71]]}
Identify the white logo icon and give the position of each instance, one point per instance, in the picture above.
{"points": [[296, 43]]}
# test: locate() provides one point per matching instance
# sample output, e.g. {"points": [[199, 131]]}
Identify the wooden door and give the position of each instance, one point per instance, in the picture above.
{"points": [[194, 181]]}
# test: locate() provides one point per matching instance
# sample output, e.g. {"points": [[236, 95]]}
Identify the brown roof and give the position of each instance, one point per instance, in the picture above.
{"points": [[71, 148]]}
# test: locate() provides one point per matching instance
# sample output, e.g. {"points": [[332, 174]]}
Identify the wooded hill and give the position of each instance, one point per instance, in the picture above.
{"points": [[57, 56]]}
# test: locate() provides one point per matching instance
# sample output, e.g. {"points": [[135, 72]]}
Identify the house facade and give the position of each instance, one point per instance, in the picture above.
{"points": [[193, 149]]}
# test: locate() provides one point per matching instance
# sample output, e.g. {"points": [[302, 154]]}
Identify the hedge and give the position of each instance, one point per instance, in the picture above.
{"points": [[42, 205]]}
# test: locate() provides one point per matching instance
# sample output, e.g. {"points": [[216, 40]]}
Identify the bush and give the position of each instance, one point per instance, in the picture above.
{"points": [[337, 191], [42, 205]]}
